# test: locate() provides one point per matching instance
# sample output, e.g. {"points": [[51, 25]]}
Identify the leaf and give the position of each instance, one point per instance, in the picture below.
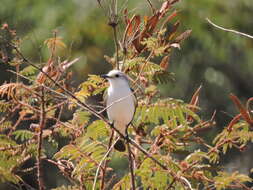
{"points": [[194, 101], [28, 71], [81, 118], [224, 179], [23, 135], [163, 77], [4, 105], [6, 141], [97, 129], [133, 25], [242, 109], [9, 89], [164, 64], [55, 42], [183, 36], [197, 155]]}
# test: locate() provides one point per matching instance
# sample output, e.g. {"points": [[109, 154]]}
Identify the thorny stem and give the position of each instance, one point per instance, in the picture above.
{"points": [[131, 166], [106, 163], [41, 127]]}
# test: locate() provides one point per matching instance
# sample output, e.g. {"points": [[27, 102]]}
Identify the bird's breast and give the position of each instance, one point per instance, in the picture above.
{"points": [[120, 105]]}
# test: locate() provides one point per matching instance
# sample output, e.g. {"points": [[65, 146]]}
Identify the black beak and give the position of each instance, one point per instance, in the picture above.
{"points": [[104, 76]]}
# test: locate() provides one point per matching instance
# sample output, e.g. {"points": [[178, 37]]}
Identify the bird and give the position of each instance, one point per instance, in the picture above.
{"points": [[120, 104]]}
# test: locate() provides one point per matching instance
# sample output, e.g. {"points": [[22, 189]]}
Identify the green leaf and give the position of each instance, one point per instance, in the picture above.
{"points": [[97, 129], [22, 135]]}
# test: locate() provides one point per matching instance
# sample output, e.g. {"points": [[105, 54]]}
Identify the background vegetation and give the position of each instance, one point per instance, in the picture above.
{"points": [[217, 60]]}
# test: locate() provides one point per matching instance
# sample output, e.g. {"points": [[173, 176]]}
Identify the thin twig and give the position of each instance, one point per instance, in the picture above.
{"points": [[113, 22], [100, 164], [144, 65], [40, 139], [116, 45], [102, 186], [131, 166], [229, 30]]}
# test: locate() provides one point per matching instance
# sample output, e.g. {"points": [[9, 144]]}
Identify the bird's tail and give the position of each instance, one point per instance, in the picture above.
{"points": [[120, 145]]}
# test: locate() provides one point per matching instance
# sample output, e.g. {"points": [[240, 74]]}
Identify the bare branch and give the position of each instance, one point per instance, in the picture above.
{"points": [[101, 162], [131, 166], [228, 30], [41, 127], [102, 187]]}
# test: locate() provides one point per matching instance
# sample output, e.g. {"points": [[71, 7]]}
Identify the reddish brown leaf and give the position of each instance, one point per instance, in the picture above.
{"points": [[241, 109], [183, 36], [132, 32], [233, 122], [133, 25], [165, 62], [152, 22], [137, 22], [194, 101], [195, 97]]}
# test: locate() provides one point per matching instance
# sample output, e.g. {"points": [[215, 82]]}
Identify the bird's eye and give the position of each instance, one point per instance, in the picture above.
{"points": [[117, 75]]}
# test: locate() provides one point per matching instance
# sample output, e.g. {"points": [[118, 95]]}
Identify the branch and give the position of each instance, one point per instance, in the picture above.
{"points": [[131, 166], [101, 162], [113, 22], [116, 45], [228, 30], [106, 162], [41, 126]]}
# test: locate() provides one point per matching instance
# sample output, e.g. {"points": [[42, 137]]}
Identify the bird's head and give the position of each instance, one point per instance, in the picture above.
{"points": [[116, 78]]}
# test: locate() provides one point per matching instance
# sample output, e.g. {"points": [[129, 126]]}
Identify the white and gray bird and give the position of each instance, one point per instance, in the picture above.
{"points": [[120, 103]]}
